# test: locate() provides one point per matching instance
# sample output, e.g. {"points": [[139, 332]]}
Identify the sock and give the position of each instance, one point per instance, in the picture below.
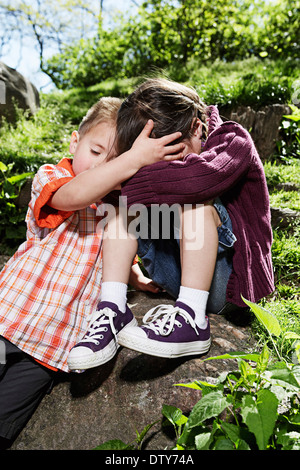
{"points": [[115, 292], [197, 300]]}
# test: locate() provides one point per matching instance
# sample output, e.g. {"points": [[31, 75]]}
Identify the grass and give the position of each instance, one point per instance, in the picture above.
{"points": [[284, 302], [251, 82]]}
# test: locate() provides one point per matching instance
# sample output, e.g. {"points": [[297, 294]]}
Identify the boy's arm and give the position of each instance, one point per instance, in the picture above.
{"points": [[198, 178], [93, 184]]}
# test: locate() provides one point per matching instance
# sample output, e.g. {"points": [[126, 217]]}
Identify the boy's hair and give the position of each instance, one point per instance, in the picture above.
{"points": [[172, 106], [105, 110]]}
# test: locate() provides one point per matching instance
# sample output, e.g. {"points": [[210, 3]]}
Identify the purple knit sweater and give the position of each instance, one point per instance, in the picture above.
{"points": [[228, 167]]}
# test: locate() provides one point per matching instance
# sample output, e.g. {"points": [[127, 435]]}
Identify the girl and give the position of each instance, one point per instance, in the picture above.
{"points": [[222, 176]]}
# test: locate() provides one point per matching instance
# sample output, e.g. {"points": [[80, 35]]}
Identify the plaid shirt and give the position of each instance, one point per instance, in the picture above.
{"points": [[51, 286]]}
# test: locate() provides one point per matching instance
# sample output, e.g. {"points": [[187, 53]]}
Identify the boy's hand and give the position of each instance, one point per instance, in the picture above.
{"points": [[151, 150], [140, 282]]}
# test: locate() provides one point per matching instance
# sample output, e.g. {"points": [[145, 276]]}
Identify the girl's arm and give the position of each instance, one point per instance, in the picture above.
{"points": [[93, 184], [226, 157]]}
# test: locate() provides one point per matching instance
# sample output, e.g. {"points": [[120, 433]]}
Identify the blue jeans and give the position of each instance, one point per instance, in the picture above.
{"points": [[161, 259]]}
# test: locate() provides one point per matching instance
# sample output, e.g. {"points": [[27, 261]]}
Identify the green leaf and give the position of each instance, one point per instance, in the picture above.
{"points": [[17, 178], [223, 444], [172, 413], [291, 335], [263, 360], [236, 355], [202, 441], [260, 416], [209, 406], [246, 369], [236, 434], [266, 318], [194, 385], [114, 444], [141, 436], [284, 377], [3, 167]]}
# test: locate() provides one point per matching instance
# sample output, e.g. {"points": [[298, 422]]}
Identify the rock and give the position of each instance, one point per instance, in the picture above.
{"points": [[288, 186], [283, 217], [24, 196], [15, 89], [263, 125], [126, 394]]}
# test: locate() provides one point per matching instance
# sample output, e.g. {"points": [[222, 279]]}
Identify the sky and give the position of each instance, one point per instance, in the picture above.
{"points": [[26, 59]]}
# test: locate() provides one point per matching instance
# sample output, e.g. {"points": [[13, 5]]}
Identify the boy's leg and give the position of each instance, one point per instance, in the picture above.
{"points": [[99, 345], [23, 384], [119, 250]]}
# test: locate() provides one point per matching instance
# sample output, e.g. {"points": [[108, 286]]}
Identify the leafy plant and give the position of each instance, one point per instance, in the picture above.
{"points": [[117, 444], [289, 145], [254, 407], [12, 226]]}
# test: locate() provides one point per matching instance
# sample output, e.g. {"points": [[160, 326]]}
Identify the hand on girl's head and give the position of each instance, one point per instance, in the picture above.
{"points": [[154, 150]]}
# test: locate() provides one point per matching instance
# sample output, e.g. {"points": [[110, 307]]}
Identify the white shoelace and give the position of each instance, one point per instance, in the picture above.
{"points": [[103, 318], [161, 319]]}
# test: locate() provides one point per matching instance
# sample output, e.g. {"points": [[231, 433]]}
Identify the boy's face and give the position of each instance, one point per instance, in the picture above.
{"points": [[92, 148]]}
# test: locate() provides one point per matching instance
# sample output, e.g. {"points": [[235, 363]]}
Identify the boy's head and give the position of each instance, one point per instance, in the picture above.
{"points": [[95, 139], [172, 106]]}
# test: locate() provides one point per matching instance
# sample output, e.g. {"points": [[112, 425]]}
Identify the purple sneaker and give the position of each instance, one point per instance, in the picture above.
{"points": [[167, 331], [100, 343]]}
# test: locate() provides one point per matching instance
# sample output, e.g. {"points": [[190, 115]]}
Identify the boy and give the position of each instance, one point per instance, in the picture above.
{"points": [[50, 288]]}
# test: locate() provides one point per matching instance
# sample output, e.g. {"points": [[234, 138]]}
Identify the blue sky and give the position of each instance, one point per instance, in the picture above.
{"points": [[26, 59]]}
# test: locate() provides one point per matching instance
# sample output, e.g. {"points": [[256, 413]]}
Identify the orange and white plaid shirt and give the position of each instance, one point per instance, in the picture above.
{"points": [[52, 284]]}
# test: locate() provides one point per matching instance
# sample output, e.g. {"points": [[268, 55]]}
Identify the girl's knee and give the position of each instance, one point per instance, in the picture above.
{"points": [[211, 212]]}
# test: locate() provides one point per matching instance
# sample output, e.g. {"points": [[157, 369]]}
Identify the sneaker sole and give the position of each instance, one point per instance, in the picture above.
{"points": [[99, 358], [167, 350]]}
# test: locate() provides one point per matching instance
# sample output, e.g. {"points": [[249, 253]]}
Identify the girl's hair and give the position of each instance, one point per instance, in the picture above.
{"points": [[105, 110], [172, 106]]}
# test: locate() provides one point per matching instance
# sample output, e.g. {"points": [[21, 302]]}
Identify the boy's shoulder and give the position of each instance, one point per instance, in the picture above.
{"points": [[63, 167], [65, 163]]}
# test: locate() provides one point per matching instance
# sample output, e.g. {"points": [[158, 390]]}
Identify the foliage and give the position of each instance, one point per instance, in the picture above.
{"points": [[277, 172], [27, 145], [255, 407], [71, 105], [117, 444], [12, 226], [280, 35], [89, 61], [46, 25], [164, 34], [289, 145], [35, 139]]}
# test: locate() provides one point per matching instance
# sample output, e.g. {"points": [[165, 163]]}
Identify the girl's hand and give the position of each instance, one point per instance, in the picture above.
{"points": [[141, 282], [151, 150]]}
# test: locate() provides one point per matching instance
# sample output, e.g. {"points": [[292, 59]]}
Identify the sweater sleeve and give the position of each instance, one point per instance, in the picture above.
{"points": [[225, 158]]}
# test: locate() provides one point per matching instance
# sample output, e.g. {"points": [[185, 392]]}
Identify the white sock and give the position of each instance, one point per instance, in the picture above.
{"points": [[115, 292], [197, 300]]}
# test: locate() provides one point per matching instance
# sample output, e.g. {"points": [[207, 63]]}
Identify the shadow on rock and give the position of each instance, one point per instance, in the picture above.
{"points": [[87, 382], [144, 367]]}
